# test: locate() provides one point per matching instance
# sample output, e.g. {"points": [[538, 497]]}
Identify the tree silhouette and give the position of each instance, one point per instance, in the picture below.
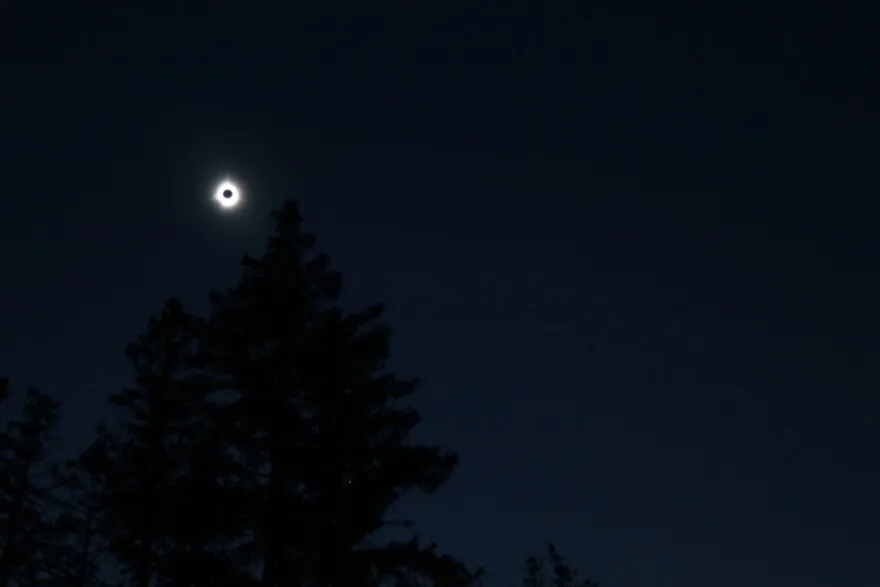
{"points": [[27, 488], [552, 570], [261, 447], [149, 476], [78, 552], [314, 420]]}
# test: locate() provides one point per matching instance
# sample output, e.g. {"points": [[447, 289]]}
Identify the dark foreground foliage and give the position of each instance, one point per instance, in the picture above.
{"points": [[262, 445], [552, 570]]}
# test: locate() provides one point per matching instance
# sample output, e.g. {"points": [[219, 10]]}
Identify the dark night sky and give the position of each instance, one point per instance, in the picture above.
{"points": [[631, 255]]}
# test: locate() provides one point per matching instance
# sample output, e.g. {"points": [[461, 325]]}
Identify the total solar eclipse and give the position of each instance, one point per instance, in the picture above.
{"points": [[227, 195]]}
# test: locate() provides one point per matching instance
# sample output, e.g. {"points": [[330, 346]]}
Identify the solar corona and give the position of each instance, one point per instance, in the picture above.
{"points": [[227, 195]]}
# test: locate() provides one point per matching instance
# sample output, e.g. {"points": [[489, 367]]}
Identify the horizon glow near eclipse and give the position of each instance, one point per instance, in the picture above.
{"points": [[227, 195]]}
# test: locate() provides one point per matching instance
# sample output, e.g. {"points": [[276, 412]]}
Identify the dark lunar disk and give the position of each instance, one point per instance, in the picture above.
{"points": [[227, 193]]}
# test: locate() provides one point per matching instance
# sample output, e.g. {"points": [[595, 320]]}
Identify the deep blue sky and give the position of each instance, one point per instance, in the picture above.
{"points": [[633, 256]]}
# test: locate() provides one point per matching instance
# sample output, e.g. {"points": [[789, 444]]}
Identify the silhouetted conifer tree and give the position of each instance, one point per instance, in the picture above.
{"points": [[78, 552], [552, 570], [156, 479], [315, 419], [27, 490]]}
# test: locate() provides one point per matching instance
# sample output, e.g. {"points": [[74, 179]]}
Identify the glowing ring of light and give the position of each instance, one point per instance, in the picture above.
{"points": [[227, 195]]}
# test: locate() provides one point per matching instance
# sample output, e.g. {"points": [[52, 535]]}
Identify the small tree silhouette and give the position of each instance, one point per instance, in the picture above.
{"points": [[552, 570], [27, 490]]}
